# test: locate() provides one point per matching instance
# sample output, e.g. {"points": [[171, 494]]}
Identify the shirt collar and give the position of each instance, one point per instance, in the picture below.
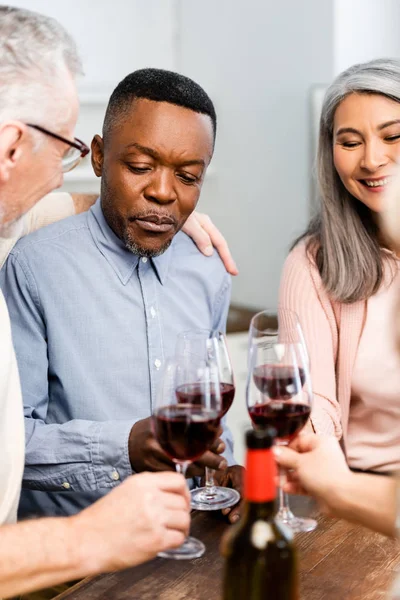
{"points": [[122, 260]]}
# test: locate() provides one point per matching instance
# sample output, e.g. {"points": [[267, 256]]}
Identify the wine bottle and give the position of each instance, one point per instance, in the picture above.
{"points": [[260, 559]]}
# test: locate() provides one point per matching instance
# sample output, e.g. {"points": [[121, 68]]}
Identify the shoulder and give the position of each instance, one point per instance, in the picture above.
{"points": [[301, 262], [187, 253], [64, 231]]}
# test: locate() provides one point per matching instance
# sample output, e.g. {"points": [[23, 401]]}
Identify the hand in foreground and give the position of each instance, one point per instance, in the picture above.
{"points": [[205, 235], [146, 454], [146, 514], [232, 477], [316, 467]]}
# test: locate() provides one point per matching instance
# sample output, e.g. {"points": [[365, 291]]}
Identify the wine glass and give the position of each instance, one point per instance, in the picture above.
{"points": [[187, 425], [211, 345], [278, 390]]}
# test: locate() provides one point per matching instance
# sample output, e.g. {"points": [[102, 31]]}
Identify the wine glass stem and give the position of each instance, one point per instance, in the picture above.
{"points": [[284, 508], [210, 483], [181, 467]]}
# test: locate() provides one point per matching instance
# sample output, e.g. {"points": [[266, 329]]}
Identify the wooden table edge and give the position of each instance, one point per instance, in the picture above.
{"points": [[78, 586]]}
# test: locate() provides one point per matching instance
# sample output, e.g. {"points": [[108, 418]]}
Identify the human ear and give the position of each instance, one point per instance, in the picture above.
{"points": [[97, 155]]}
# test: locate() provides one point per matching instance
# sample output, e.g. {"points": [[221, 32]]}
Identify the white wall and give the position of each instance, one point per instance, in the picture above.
{"points": [[115, 37], [365, 29], [258, 60]]}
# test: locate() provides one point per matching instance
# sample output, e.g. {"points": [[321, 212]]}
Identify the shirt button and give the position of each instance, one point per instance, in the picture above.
{"points": [[144, 259], [66, 485], [153, 312], [115, 475], [157, 363]]}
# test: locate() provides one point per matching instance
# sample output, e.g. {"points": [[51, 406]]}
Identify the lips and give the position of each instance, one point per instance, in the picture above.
{"points": [[155, 223]]}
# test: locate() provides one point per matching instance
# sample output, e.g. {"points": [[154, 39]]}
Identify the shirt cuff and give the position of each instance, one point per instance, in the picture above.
{"points": [[109, 451]]}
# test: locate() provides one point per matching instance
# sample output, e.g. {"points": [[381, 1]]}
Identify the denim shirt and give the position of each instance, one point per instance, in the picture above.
{"points": [[92, 325]]}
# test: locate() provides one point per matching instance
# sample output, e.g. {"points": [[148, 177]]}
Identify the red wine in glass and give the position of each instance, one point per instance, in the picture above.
{"points": [[186, 431], [287, 418], [279, 381], [191, 393]]}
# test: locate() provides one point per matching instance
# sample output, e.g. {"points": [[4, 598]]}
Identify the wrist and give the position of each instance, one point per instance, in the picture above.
{"points": [[338, 496], [89, 545]]}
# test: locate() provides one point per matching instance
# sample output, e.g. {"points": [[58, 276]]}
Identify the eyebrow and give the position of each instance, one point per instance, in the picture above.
{"points": [[154, 154], [380, 127]]}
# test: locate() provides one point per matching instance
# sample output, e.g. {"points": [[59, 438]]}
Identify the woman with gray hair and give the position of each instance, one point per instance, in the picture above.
{"points": [[342, 276]]}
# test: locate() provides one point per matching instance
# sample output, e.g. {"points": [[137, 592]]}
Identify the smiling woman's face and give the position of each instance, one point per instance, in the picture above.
{"points": [[366, 145]]}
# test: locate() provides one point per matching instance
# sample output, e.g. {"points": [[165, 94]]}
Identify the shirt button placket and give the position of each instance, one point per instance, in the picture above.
{"points": [[148, 281]]}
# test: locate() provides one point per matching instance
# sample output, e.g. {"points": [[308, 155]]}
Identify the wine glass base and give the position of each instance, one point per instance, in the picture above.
{"points": [[223, 497], [296, 524], [191, 548]]}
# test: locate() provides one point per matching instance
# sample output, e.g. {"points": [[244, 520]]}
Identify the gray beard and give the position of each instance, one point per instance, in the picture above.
{"points": [[133, 247]]}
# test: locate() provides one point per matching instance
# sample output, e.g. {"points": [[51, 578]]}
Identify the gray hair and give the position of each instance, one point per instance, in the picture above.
{"points": [[343, 237], [36, 53]]}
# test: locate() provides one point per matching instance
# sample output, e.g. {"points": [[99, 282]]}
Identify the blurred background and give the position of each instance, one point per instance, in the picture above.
{"points": [[265, 63], [260, 61]]}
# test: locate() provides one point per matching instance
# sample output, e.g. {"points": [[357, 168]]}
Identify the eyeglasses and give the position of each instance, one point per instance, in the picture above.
{"points": [[73, 156]]}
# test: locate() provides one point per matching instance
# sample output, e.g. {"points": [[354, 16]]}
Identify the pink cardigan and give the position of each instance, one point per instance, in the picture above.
{"points": [[332, 331]]}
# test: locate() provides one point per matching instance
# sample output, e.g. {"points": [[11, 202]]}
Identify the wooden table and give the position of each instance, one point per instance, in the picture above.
{"points": [[338, 561]]}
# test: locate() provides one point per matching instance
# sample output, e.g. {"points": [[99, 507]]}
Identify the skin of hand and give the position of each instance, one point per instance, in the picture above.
{"points": [[82, 202], [316, 465], [206, 235], [146, 514], [146, 454], [232, 477]]}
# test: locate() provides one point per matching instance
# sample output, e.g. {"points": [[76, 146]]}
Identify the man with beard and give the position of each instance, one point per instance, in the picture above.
{"points": [[97, 300]]}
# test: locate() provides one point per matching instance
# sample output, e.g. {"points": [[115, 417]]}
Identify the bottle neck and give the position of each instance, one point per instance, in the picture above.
{"points": [[260, 479]]}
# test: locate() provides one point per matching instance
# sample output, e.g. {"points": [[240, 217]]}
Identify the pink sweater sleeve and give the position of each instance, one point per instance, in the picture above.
{"points": [[298, 292]]}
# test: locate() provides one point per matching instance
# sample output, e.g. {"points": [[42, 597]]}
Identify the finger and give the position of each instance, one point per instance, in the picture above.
{"points": [[286, 457], [169, 482], [195, 470], [294, 488], [220, 243], [212, 461], [177, 519], [235, 513], [218, 446], [173, 539], [200, 237], [215, 238], [173, 501], [305, 442]]}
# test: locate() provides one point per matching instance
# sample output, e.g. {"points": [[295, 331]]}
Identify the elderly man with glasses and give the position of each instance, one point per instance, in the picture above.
{"points": [[147, 513]]}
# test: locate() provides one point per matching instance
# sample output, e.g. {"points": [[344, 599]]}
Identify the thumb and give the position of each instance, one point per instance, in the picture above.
{"points": [[285, 457]]}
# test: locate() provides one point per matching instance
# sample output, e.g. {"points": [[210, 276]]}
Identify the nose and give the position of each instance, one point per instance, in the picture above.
{"points": [[374, 156], [161, 188]]}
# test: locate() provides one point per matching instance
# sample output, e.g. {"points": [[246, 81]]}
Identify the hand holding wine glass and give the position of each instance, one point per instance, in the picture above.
{"points": [[185, 425], [278, 390]]}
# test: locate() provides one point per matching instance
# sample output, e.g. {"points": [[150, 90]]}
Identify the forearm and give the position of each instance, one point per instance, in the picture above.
{"points": [[88, 455], [38, 554], [369, 500]]}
